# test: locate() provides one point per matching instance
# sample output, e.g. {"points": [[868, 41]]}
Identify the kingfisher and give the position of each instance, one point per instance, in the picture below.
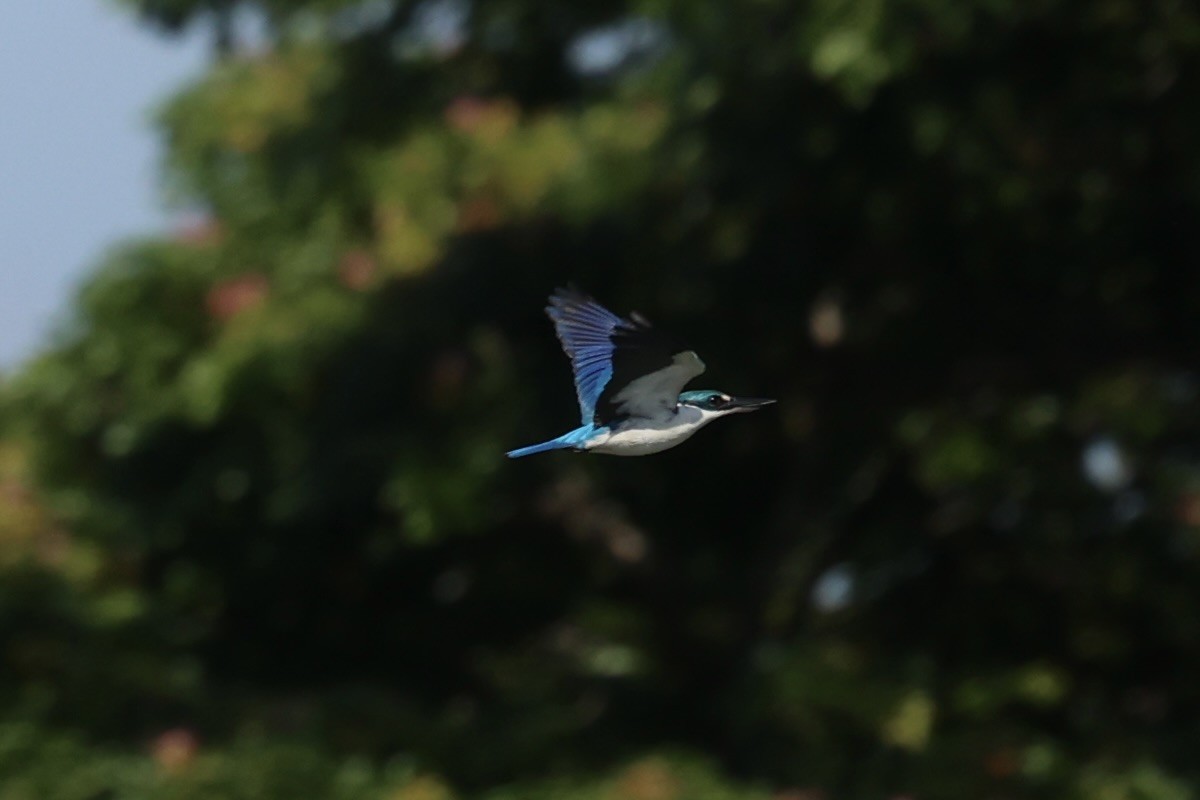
{"points": [[628, 378]]}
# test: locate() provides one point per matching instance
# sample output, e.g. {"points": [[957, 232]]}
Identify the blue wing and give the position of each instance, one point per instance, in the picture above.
{"points": [[623, 367]]}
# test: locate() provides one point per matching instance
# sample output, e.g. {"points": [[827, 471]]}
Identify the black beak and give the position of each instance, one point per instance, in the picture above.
{"points": [[747, 403]]}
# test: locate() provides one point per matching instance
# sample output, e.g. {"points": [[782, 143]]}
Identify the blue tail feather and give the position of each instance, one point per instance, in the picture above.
{"points": [[553, 444], [568, 441]]}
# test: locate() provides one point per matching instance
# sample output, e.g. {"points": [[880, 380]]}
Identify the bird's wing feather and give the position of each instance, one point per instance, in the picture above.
{"points": [[585, 330], [650, 395], [623, 367]]}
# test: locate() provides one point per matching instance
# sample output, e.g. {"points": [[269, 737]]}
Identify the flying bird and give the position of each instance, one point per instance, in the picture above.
{"points": [[629, 377]]}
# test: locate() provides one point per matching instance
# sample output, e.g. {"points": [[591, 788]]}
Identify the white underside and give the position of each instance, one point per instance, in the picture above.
{"points": [[640, 437]]}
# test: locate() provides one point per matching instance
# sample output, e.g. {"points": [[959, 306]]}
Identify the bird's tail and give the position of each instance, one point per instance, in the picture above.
{"points": [[567, 441]]}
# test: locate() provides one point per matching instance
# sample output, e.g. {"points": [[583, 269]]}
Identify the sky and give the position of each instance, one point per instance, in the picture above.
{"points": [[79, 156]]}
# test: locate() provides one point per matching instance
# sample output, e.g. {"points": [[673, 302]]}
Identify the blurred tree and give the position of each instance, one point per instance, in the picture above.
{"points": [[956, 241]]}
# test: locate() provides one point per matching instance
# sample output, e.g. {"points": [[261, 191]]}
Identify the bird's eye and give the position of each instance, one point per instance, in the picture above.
{"points": [[718, 400]]}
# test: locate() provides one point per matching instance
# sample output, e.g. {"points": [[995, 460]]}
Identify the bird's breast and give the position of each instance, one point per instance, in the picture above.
{"points": [[640, 437]]}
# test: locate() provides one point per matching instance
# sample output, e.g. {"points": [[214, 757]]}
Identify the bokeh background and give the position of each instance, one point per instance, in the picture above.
{"points": [[258, 538]]}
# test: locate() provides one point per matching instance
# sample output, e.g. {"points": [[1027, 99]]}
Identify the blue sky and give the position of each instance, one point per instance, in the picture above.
{"points": [[79, 156]]}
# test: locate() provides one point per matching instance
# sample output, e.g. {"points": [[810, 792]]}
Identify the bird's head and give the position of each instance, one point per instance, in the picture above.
{"points": [[721, 403]]}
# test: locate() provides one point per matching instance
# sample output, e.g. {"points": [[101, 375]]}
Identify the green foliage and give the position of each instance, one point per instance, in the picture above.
{"points": [[258, 538], [179, 767]]}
